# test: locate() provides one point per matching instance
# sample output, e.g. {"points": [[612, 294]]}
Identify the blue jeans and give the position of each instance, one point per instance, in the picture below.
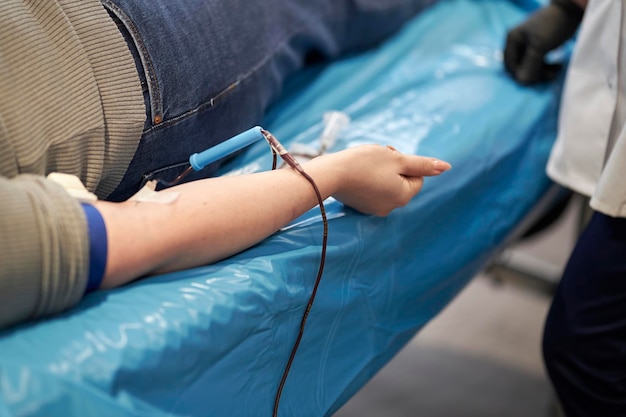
{"points": [[211, 68]]}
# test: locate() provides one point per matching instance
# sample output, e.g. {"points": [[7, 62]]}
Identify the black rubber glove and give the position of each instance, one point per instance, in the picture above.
{"points": [[545, 30]]}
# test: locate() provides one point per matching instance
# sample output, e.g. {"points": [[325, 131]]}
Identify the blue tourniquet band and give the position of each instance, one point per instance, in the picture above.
{"points": [[97, 247]]}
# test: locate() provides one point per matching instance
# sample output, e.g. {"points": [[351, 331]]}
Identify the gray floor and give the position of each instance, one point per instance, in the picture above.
{"points": [[481, 356]]}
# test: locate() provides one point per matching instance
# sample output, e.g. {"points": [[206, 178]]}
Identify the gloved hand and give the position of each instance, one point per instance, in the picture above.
{"points": [[528, 43]]}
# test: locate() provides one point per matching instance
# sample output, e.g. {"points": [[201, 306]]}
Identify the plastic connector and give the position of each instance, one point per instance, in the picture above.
{"points": [[335, 121], [200, 160]]}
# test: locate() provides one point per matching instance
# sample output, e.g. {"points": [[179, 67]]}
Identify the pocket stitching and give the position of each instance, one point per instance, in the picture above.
{"points": [[156, 105]]}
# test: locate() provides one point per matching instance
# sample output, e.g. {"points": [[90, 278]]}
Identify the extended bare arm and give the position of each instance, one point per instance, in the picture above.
{"points": [[215, 218]]}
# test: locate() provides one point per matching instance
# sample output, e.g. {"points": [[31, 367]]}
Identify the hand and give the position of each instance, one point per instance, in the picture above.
{"points": [[545, 30], [377, 179]]}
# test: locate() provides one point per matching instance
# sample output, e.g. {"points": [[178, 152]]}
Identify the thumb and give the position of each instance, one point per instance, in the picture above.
{"points": [[414, 185]]}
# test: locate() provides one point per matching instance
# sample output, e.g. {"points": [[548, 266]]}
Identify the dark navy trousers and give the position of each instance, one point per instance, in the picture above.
{"points": [[584, 342]]}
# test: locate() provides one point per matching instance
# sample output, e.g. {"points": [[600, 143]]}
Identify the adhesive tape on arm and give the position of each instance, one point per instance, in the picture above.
{"points": [[147, 194], [73, 186]]}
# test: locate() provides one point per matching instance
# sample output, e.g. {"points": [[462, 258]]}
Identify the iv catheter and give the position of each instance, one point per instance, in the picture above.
{"points": [[198, 161]]}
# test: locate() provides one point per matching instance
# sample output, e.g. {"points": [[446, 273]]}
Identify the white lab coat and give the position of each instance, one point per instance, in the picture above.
{"points": [[589, 155]]}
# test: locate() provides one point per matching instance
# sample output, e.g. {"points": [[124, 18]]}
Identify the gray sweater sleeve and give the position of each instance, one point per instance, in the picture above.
{"points": [[70, 101], [44, 249]]}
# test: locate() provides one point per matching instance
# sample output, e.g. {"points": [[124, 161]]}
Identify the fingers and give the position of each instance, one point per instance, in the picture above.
{"points": [[528, 66], [526, 63], [421, 166], [533, 69], [513, 51]]}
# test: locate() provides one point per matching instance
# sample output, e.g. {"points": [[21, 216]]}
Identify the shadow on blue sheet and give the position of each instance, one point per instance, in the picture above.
{"points": [[213, 341]]}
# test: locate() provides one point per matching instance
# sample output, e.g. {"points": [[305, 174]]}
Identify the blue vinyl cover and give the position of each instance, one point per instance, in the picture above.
{"points": [[213, 341]]}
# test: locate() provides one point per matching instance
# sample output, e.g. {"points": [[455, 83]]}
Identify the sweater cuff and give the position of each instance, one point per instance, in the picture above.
{"points": [[97, 247]]}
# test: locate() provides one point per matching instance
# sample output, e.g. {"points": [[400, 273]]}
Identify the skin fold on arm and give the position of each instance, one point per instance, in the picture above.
{"points": [[218, 217]]}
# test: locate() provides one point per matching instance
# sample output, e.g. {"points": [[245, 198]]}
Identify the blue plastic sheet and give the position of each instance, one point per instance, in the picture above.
{"points": [[213, 341]]}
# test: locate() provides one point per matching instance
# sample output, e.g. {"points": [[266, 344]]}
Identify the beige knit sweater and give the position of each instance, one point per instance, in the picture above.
{"points": [[70, 101]]}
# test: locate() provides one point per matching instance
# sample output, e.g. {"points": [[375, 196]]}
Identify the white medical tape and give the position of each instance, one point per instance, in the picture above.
{"points": [[148, 194]]}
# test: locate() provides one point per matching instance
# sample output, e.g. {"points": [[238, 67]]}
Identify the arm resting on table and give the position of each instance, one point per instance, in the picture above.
{"points": [[215, 218]]}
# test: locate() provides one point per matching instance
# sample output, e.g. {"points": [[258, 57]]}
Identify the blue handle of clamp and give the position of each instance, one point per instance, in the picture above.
{"points": [[219, 151]]}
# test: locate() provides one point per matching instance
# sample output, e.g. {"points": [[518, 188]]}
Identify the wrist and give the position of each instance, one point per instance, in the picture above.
{"points": [[573, 9], [329, 171]]}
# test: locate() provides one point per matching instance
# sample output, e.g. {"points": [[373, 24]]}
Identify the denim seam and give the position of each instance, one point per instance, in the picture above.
{"points": [[156, 105], [215, 99], [212, 102]]}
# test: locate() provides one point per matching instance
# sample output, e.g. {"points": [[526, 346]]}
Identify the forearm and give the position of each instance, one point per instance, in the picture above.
{"points": [[210, 220], [216, 218]]}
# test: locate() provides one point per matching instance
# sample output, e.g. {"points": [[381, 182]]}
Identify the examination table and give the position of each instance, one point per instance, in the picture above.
{"points": [[214, 340]]}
